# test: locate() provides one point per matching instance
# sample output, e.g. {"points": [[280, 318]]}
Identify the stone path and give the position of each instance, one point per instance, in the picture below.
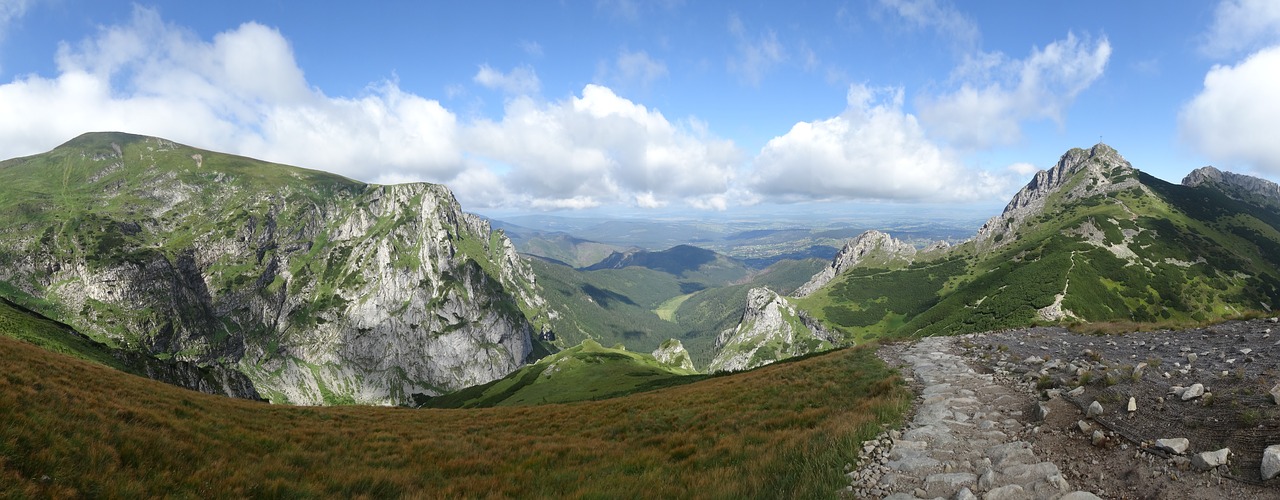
{"points": [[964, 441]]}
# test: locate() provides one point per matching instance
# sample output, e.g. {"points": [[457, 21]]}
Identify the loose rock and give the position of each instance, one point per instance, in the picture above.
{"points": [[1133, 404], [1175, 445], [1095, 409], [1271, 462], [1206, 460], [1195, 391]]}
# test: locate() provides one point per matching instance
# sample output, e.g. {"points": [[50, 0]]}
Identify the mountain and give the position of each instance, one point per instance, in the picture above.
{"points": [[584, 372], [1091, 239], [318, 288], [557, 246], [692, 264], [771, 329]]}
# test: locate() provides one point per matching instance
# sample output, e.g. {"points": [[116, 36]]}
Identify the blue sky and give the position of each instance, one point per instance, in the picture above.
{"points": [[660, 106]]}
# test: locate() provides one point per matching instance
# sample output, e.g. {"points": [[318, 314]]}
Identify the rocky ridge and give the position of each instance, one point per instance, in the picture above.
{"points": [[318, 288], [870, 246], [1240, 187], [673, 354], [771, 329], [1079, 174]]}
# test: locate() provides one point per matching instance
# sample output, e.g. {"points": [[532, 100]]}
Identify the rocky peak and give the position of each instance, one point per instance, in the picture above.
{"points": [[673, 354], [1079, 174], [1244, 188], [772, 328], [869, 246]]}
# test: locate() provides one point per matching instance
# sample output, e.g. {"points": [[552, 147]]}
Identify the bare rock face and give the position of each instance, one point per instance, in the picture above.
{"points": [[1240, 187], [771, 329], [1079, 174], [320, 289], [869, 246], [672, 353]]}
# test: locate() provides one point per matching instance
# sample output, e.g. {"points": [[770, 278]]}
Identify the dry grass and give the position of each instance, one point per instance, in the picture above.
{"points": [[72, 428]]}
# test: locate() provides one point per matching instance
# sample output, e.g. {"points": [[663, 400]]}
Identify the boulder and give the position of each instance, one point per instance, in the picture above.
{"points": [[1206, 460], [1271, 462], [1095, 409], [1075, 393], [1275, 393], [1099, 438], [1174, 445], [1041, 411], [1195, 391]]}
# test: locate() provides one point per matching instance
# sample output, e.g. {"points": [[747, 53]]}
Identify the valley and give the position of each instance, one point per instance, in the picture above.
{"points": [[603, 348]]}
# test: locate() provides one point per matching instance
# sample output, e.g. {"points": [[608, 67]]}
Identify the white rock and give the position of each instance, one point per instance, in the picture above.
{"points": [[1095, 409], [1246, 351], [1083, 426], [1175, 445], [1133, 405], [1080, 390], [1195, 391], [1206, 460], [1191, 357], [1275, 393], [1271, 462]]}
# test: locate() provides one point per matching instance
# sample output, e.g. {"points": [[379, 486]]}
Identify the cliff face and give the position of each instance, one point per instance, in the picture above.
{"points": [[1239, 187], [319, 288], [869, 246], [771, 329], [1079, 174]]}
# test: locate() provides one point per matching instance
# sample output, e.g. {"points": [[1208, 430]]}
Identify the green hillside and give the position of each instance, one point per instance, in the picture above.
{"points": [[1110, 244], [584, 372], [78, 429]]}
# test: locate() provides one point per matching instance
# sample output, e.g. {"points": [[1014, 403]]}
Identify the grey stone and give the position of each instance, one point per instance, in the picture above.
{"points": [[1195, 391], [1095, 409], [1206, 460], [1099, 437], [1174, 445], [965, 494], [1076, 392], [1271, 462], [1006, 492], [1041, 412], [1083, 426], [1275, 394], [1079, 495]]}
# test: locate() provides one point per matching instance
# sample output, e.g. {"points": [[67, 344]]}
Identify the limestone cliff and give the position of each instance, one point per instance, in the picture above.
{"points": [[869, 246], [1079, 174], [672, 353], [771, 329], [1239, 187], [319, 288]]}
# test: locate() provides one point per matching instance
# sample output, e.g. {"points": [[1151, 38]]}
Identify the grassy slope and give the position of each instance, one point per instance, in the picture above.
{"points": [[584, 372], [781, 431], [1239, 245], [54, 336]]}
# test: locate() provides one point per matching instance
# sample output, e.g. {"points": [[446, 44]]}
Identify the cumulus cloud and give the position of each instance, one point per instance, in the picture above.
{"points": [[1241, 26], [521, 80], [1232, 120], [755, 56], [873, 150], [601, 148], [998, 94], [937, 16], [243, 93]]}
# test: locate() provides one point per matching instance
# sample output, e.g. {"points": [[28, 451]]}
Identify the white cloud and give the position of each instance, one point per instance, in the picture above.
{"points": [[1241, 26], [531, 48], [242, 93], [937, 16], [996, 94], [602, 148], [1023, 169], [1232, 120], [521, 80], [873, 150], [636, 69], [755, 56]]}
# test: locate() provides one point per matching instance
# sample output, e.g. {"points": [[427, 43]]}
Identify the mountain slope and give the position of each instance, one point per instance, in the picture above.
{"points": [[584, 372], [1091, 239], [319, 288], [78, 429]]}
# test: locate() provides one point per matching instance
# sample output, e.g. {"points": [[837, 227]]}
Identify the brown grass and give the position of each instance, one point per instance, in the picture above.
{"points": [[72, 428]]}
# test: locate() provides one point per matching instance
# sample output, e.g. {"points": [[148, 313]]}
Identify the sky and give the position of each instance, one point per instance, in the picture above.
{"points": [[660, 106]]}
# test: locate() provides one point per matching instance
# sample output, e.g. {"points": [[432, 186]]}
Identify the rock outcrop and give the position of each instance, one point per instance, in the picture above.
{"points": [[320, 289], [1079, 174], [869, 247], [1239, 187], [673, 354], [771, 329]]}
